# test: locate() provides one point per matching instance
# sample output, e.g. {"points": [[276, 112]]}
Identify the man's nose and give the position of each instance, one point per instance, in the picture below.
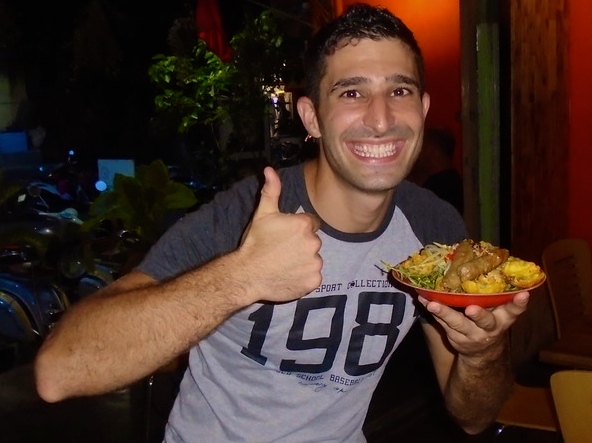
{"points": [[379, 114]]}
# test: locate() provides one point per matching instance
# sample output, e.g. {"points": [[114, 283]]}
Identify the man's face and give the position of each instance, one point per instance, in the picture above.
{"points": [[370, 114]]}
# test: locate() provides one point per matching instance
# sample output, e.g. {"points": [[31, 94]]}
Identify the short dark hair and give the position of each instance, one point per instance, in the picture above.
{"points": [[359, 21]]}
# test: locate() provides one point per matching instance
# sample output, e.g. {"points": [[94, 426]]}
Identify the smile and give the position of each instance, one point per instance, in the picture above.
{"points": [[375, 151]]}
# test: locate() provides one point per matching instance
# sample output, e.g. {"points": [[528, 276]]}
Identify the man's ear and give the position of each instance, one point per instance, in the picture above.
{"points": [[308, 115], [425, 101]]}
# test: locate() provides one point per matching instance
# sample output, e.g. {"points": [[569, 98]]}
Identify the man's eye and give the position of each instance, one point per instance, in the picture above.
{"points": [[401, 92], [352, 93]]}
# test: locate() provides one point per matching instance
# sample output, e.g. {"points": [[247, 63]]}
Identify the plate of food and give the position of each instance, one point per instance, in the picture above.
{"points": [[467, 273]]}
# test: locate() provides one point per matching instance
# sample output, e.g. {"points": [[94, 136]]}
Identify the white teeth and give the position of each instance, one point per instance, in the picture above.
{"points": [[376, 151]]}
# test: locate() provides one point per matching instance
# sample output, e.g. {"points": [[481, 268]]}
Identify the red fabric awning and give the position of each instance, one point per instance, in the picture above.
{"points": [[209, 27]]}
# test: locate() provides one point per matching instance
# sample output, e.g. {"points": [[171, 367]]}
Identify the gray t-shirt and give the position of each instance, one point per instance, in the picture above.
{"points": [[302, 371]]}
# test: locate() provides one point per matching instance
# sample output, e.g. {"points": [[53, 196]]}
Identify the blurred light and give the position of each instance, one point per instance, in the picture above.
{"points": [[101, 186]]}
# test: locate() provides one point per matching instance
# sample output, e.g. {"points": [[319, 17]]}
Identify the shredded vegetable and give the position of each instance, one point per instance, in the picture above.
{"points": [[425, 267]]}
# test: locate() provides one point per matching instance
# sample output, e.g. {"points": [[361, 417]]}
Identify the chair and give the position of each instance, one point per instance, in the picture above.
{"points": [[568, 266], [572, 394], [529, 407]]}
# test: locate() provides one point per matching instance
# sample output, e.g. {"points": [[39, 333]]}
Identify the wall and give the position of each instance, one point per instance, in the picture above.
{"points": [[551, 131], [539, 104], [580, 120]]}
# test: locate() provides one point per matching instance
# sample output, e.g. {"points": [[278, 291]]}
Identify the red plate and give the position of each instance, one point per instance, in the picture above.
{"points": [[462, 300]]}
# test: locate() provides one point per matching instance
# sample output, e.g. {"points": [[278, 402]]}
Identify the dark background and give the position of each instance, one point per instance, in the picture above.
{"points": [[85, 69]]}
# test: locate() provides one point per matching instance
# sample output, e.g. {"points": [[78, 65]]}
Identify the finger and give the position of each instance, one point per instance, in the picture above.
{"points": [[270, 193], [518, 304], [448, 317], [315, 221], [481, 317], [521, 301]]}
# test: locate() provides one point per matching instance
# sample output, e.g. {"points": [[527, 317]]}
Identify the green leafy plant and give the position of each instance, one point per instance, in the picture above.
{"points": [[145, 204], [264, 60], [194, 87], [262, 56], [223, 108]]}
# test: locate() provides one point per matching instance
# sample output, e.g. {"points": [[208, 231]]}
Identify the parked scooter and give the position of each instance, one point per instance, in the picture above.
{"points": [[29, 303], [42, 272], [58, 187], [64, 251]]}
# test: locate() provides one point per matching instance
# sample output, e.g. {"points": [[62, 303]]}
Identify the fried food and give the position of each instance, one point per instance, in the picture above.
{"points": [[487, 262], [463, 253], [469, 267], [491, 283], [521, 273]]}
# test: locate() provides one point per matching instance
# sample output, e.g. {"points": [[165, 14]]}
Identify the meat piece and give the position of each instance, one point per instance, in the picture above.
{"points": [[464, 253], [483, 264]]}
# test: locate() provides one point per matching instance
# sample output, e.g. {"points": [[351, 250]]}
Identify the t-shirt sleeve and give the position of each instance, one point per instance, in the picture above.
{"points": [[431, 218], [212, 230]]}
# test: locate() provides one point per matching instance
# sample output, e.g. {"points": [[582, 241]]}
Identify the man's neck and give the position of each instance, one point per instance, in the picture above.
{"points": [[340, 205]]}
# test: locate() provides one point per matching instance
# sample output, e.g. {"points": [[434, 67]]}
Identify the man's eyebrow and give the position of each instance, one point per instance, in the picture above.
{"points": [[405, 79], [359, 80], [349, 81]]}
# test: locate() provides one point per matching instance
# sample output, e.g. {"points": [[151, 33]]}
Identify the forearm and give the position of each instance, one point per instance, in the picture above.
{"points": [[132, 328], [137, 325], [478, 387]]}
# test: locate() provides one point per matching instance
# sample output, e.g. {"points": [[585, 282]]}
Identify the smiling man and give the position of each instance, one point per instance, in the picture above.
{"points": [[278, 292]]}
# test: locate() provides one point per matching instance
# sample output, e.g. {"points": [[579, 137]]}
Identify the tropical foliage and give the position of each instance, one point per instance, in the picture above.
{"points": [[193, 87], [198, 87], [145, 204]]}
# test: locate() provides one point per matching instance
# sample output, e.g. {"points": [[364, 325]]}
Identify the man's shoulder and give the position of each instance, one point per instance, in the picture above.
{"points": [[242, 196], [412, 195], [432, 218]]}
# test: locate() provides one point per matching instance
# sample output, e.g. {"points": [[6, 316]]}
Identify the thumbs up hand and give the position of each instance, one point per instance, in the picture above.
{"points": [[280, 251]]}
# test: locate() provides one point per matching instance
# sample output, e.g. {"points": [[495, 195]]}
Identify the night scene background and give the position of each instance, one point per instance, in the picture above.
{"points": [[83, 67]]}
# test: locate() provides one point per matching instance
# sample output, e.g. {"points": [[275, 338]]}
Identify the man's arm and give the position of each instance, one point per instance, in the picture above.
{"points": [[134, 326], [471, 359]]}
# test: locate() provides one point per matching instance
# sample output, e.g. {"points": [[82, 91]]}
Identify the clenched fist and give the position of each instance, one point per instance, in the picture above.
{"points": [[280, 251]]}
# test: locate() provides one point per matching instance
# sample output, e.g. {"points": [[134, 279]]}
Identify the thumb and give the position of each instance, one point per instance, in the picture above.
{"points": [[270, 193]]}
